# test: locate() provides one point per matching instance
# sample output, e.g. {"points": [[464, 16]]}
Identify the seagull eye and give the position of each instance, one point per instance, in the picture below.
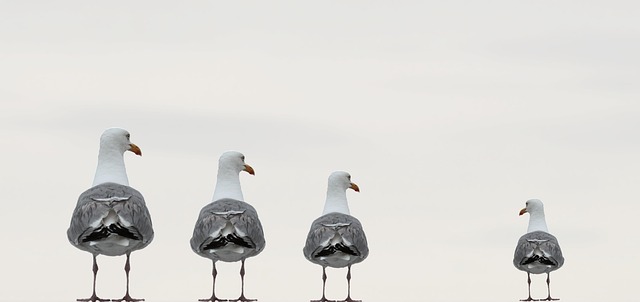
{"points": [[128, 136]]}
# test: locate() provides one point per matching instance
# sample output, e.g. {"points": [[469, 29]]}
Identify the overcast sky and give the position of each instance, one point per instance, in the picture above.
{"points": [[449, 115]]}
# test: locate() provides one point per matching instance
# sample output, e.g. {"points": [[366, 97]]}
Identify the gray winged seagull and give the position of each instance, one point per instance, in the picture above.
{"points": [[537, 251], [228, 228], [111, 217], [336, 239]]}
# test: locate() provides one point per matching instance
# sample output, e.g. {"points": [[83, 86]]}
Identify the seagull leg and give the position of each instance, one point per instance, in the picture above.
{"points": [[213, 298], [348, 299], [529, 283], [94, 297], [127, 297], [324, 283], [242, 297], [549, 291]]}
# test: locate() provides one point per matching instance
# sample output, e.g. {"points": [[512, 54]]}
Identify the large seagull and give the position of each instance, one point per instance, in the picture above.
{"points": [[111, 217]]}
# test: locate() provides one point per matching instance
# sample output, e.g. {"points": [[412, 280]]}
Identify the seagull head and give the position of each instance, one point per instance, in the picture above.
{"points": [[342, 180], [234, 161], [533, 206], [118, 139]]}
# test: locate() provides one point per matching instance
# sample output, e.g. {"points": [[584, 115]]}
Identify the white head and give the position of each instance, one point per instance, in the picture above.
{"points": [[230, 165], [537, 221], [118, 140], [113, 143], [533, 207], [233, 161], [339, 182]]}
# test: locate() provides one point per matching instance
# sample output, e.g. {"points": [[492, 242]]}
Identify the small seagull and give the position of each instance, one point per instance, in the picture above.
{"points": [[537, 251], [228, 229], [336, 238]]}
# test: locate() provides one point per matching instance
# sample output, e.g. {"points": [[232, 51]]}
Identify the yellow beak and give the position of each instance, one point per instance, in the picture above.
{"points": [[249, 170], [135, 149]]}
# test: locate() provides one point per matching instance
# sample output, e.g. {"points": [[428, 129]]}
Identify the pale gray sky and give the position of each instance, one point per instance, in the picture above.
{"points": [[448, 114]]}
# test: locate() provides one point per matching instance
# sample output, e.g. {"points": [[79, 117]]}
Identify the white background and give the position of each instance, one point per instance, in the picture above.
{"points": [[448, 114]]}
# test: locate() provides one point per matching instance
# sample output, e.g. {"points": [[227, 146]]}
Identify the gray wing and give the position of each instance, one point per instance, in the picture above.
{"points": [[326, 227], [215, 216], [539, 249], [96, 203]]}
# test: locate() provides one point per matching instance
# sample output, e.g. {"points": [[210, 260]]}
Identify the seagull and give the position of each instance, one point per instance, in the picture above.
{"points": [[111, 217], [537, 251], [336, 238], [228, 228]]}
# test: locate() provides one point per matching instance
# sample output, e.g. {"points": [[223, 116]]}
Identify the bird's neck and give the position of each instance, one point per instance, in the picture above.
{"points": [[228, 186], [336, 201], [537, 222], [110, 168]]}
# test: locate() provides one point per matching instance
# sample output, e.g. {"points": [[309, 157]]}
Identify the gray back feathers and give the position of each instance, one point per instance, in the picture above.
{"points": [[216, 215], [329, 226], [95, 204], [538, 247]]}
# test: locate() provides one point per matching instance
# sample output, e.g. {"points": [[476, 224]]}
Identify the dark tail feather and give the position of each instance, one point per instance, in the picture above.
{"points": [[97, 234], [122, 231]]}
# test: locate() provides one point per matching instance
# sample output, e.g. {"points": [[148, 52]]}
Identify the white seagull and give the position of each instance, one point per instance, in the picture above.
{"points": [[228, 229], [336, 238], [537, 251], [111, 218]]}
